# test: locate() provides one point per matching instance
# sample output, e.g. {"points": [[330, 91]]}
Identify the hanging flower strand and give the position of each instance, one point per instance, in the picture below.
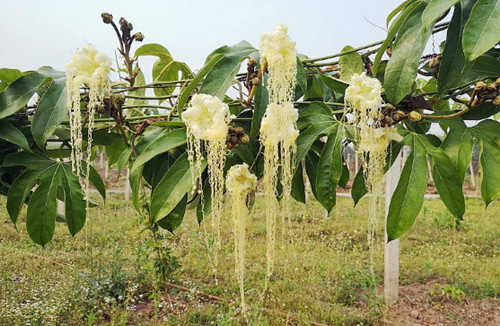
{"points": [[207, 119], [364, 97], [278, 130], [89, 67], [240, 182]]}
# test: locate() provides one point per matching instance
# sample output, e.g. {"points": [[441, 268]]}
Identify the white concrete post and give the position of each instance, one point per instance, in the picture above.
{"points": [[356, 163], [61, 209], [391, 250], [127, 186], [472, 176]]}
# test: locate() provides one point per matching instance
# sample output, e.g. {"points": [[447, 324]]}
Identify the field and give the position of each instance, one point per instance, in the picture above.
{"points": [[449, 274]]}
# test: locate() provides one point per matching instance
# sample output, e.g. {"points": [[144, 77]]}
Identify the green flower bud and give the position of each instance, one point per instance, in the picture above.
{"points": [[414, 116], [107, 18]]}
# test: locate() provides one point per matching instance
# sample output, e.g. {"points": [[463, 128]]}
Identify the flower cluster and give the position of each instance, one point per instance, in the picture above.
{"points": [[207, 117], [278, 125], [240, 179], [364, 92], [88, 65]]}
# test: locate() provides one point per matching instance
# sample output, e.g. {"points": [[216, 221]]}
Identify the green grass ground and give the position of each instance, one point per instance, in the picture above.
{"points": [[321, 274]]}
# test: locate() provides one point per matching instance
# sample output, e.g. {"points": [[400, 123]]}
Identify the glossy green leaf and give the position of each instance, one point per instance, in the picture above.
{"points": [[393, 30], [153, 49], [222, 74], [174, 219], [164, 142], [408, 197], [334, 84], [42, 209], [435, 9], [402, 68], [135, 183], [396, 11], [344, 177], [453, 59], [186, 91], [261, 99], [488, 134], [447, 178], [481, 68], [307, 138], [329, 168], [301, 76], [11, 134], [52, 107], [73, 200], [18, 94], [358, 189], [94, 179], [7, 76], [298, 190], [458, 145], [312, 160], [481, 30], [350, 64], [172, 188]]}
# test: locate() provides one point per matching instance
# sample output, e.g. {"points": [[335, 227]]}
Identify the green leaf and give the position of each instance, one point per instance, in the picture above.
{"points": [[52, 107], [453, 59], [312, 160], [169, 71], [11, 134], [344, 178], [307, 138], [7, 76], [186, 91], [447, 178], [18, 94], [298, 191], [334, 84], [311, 114], [481, 30], [396, 11], [435, 9], [408, 197], [402, 68], [18, 192], [458, 145], [94, 179], [350, 64], [481, 68], [42, 209], [358, 189], [172, 188], [173, 220], [261, 99], [222, 74], [164, 142], [153, 49], [487, 132], [301, 76], [135, 183], [393, 30], [73, 200], [330, 168]]}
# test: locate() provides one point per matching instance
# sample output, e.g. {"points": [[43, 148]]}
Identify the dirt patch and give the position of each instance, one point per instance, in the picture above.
{"points": [[416, 307]]}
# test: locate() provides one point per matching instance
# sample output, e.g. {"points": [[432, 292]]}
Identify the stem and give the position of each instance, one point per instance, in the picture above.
{"points": [[331, 63], [343, 53]]}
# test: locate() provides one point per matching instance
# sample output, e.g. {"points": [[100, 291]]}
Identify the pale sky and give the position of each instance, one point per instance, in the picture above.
{"points": [[37, 33]]}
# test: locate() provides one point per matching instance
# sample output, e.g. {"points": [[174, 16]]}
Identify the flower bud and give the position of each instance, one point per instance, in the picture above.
{"points": [[496, 101], [480, 86], [139, 37], [491, 87], [245, 139], [256, 81], [107, 18], [414, 116]]}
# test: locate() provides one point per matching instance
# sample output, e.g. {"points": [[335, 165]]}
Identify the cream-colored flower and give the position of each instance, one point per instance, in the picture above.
{"points": [[278, 48], [364, 92], [278, 125], [377, 139], [207, 117], [88, 65], [240, 179]]}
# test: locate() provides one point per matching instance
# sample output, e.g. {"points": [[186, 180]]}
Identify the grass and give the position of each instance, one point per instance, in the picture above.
{"points": [[321, 274]]}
